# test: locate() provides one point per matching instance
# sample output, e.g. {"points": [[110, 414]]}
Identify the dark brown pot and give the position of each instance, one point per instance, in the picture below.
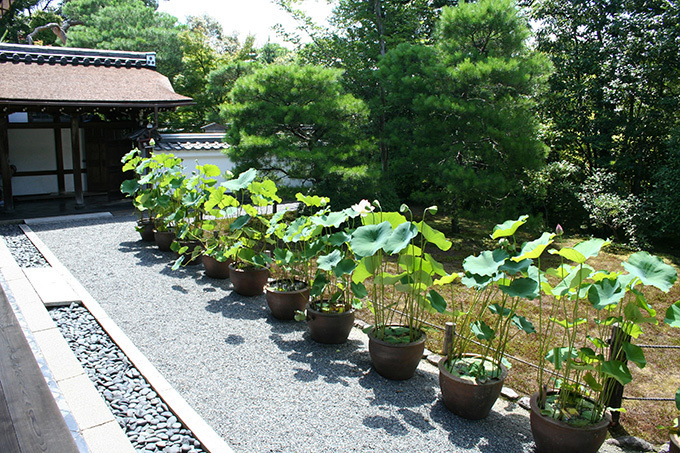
{"points": [[329, 328], [248, 282], [675, 444], [554, 436], [395, 361], [188, 255], [466, 398], [164, 239], [283, 304], [146, 230], [216, 269]]}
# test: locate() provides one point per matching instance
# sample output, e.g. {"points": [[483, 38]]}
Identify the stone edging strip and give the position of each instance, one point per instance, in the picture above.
{"points": [[210, 440], [68, 218], [92, 425]]}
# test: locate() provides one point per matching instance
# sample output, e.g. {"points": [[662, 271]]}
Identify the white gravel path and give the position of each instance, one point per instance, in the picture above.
{"points": [[263, 384]]}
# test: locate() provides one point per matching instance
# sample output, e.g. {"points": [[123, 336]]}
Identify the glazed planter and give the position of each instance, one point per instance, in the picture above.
{"points": [[146, 229], [466, 398], [284, 304], [216, 269], [554, 436], [397, 362], [188, 260], [329, 327], [248, 282], [164, 240], [675, 444]]}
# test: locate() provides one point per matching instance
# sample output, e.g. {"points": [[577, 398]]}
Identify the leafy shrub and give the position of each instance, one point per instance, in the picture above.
{"points": [[612, 212], [554, 191], [665, 195], [344, 186]]}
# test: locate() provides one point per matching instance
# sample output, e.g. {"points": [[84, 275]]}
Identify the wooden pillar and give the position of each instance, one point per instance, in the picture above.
{"points": [[448, 338], [613, 390], [75, 152], [59, 150], [4, 165]]}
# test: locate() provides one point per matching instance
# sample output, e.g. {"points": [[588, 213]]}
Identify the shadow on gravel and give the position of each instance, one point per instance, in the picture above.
{"points": [[235, 306], [147, 253], [191, 271], [415, 392], [234, 340], [77, 223], [497, 433], [285, 327], [335, 364], [401, 397]]}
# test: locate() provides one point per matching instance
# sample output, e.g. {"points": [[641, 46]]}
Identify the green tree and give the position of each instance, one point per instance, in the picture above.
{"points": [[272, 52], [22, 18], [614, 95], [204, 49], [220, 82], [361, 33], [295, 121], [462, 128], [127, 25]]}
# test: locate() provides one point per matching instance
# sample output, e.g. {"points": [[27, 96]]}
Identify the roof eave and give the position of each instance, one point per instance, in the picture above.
{"points": [[138, 104]]}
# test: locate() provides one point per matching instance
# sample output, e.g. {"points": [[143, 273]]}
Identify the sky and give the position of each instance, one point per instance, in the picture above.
{"points": [[246, 16]]}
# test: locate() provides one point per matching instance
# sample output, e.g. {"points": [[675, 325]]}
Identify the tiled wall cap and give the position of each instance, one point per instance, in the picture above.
{"points": [[142, 61]]}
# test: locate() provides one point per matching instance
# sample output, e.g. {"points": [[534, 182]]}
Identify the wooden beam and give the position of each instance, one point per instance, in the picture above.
{"points": [[31, 420], [64, 125], [19, 174], [77, 168], [5, 170], [59, 154]]}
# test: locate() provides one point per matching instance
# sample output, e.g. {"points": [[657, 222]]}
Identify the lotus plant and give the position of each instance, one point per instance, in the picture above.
{"points": [[499, 284], [398, 295], [576, 320]]}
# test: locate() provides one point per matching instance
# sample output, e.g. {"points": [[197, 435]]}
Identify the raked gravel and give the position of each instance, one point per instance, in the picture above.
{"points": [[263, 384]]}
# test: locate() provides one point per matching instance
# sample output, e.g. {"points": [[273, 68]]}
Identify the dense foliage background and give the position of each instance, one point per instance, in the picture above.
{"points": [[492, 108]]}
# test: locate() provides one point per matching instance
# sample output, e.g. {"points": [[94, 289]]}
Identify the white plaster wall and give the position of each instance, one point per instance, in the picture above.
{"points": [[33, 150], [192, 158]]}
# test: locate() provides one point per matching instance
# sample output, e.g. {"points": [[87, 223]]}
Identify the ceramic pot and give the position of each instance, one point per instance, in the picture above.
{"points": [[465, 397], [329, 327], [216, 269], [164, 239], [675, 444], [248, 282], [191, 245], [554, 436], [146, 229], [283, 304], [397, 362]]}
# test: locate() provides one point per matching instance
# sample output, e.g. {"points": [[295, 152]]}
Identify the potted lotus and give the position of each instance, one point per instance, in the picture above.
{"points": [[250, 271], [217, 239], [675, 428], [132, 161], [335, 297], [471, 375], [673, 319], [569, 412], [163, 175], [397, 295], [288, 293], [194, 194]]}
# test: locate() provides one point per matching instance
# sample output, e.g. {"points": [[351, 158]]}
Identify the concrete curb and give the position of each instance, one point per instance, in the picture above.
{"points": [[210, 440]]}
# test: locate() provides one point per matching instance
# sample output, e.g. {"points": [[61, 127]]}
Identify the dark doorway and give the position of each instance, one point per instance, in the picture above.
{"points": [[105, 145]]}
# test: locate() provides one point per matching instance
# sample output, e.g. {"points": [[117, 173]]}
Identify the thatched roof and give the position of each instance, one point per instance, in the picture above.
{"points": [[55, 76]]}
